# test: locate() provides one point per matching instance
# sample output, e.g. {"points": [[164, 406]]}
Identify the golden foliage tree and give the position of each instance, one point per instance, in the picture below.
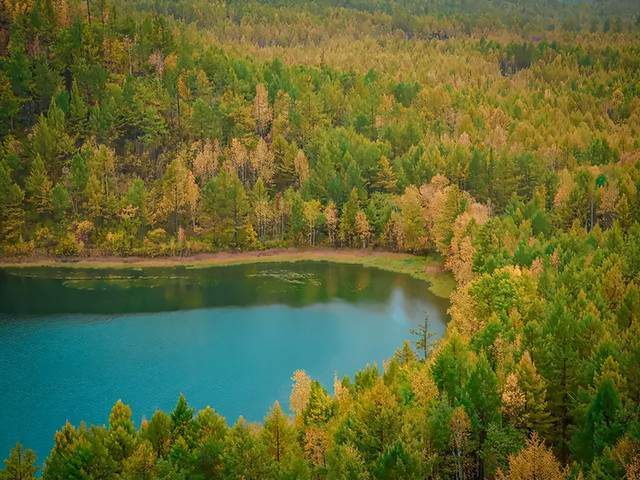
{"points": [[534, 462]]}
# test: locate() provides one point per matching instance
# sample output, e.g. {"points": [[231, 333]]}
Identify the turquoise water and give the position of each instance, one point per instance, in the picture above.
{"points": [[72, 342]]}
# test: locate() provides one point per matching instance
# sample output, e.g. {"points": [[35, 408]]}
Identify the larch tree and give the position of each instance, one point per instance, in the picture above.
{"points": [[331, 222], [262, 110], [20, 465], [300, 393], [534, 462], [206, 161], [301, 165], [362, 228], [410, 221], [180, 193], [385, 178], [278, 434], [262, 162], [535, 414], [312, 214]]}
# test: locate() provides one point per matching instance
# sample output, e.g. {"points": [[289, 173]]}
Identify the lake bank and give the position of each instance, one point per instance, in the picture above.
{"points": [[427, 268]]}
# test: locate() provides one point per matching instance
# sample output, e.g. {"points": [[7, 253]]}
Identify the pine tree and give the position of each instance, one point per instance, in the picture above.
{"points": [[320, 407], [11, 212], [39, 187], [424, 338], [535, 414], [50, 140], [376, 421], [180, 193], [122, 433], [78, 112], [602, 425], [246, 457], [181, 417], [385, 179], [285, 171], [60, 202], [20, 465], [482, 395], [344, 462], [278, 434], [227, 203], [141, 464], [348, 218]]}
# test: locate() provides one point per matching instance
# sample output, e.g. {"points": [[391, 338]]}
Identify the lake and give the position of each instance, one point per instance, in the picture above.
{"points": [[73, 341]]}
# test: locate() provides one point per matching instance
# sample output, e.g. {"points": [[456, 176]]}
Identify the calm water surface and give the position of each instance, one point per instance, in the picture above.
{"points": [[72, 342]]}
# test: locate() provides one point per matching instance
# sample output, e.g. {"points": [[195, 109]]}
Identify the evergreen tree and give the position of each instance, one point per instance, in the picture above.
{"points": [[20, 465], [39, 187], [603, 424], [278, 434], [11, 212]]}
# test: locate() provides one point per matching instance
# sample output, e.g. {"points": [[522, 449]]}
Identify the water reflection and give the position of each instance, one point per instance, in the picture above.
{"points": [[60, 290]]}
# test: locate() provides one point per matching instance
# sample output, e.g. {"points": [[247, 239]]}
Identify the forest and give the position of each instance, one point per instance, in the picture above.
{"points": [[502, 137]]}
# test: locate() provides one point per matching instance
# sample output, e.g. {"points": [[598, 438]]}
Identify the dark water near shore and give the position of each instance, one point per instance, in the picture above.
{"points": [[72, 342]]}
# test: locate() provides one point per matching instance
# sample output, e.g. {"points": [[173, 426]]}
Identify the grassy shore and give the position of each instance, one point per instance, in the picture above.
{"points": [[429, 268]]}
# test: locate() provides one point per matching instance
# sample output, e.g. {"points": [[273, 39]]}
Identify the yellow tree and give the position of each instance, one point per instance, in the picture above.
{"points": [[331, 221], [513, 398], [363, 230], [312, 211], [262, 162], [385, 178], [410, 222], [301, 165], [261, 110], [300, 393], [237, 157], [180, 192], [205, 163], [534, 462], [278, 434]]}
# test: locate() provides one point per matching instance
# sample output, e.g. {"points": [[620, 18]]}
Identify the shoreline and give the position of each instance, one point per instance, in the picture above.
{"points": [[427, 268]]}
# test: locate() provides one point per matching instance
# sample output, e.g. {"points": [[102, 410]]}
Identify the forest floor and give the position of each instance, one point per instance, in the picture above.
{"points": [[428, 268]]}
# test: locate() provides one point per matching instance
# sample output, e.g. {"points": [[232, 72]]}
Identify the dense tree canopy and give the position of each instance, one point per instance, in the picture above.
{"points": [[501, 136]]}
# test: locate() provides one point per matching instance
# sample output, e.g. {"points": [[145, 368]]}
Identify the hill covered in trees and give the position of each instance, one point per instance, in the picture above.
{"points": [[505, 136]]}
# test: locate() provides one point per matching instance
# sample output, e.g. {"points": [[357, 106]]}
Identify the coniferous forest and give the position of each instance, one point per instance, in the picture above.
{"points": [[502, 137]]}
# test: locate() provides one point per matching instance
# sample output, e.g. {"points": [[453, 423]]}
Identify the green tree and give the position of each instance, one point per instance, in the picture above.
{"points": [[226, 201], [180, 193], [50, 141], [278, 434], [39, 187], [20, 465], [60, 202], [348, 218], [375, 422], [603, 424], [245, 456], [122, 433], [11, 212], [181, 417], [424, 338]]}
